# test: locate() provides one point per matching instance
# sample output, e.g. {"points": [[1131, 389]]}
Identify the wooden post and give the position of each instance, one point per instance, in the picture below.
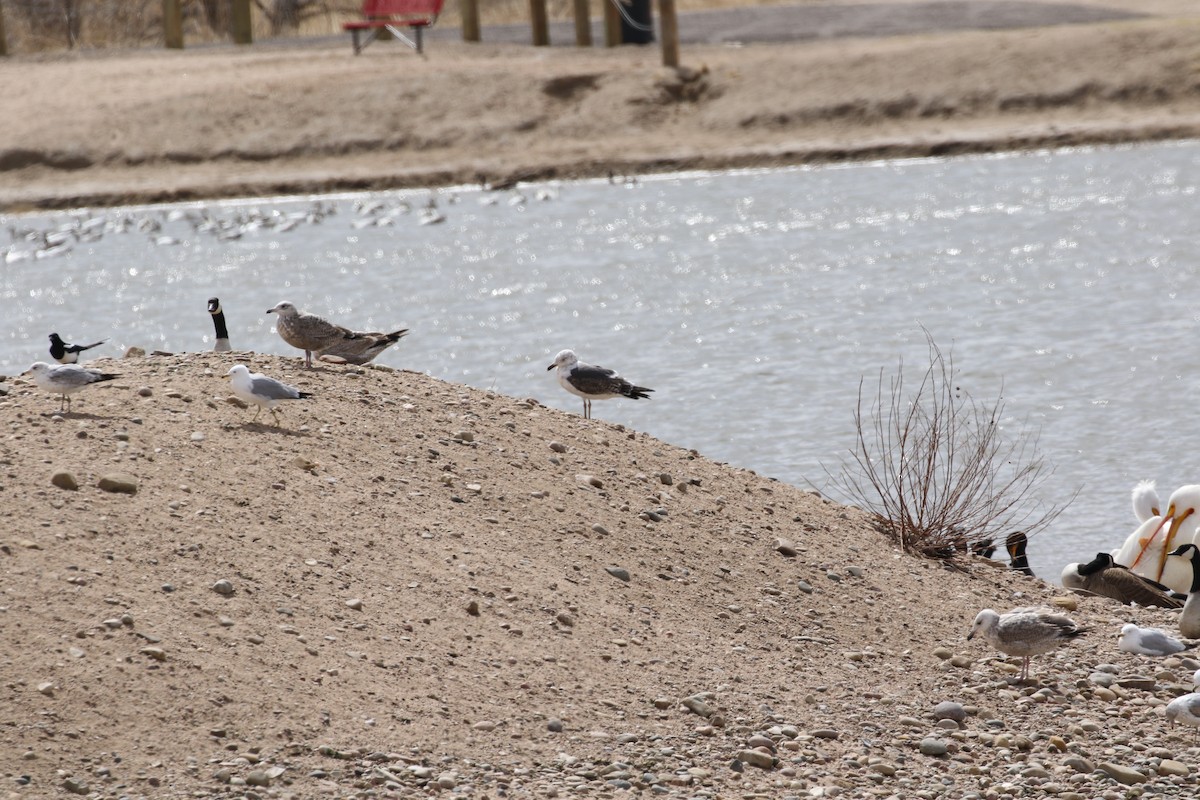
{"points": [[173, 23], [540, 22], [668, 22], [612, 23], [3, 37], [470, 20], [243, 33], [583, 24]]}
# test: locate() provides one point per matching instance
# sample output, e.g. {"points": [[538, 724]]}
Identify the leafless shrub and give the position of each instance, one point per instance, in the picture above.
{"points": [[938, 470]]}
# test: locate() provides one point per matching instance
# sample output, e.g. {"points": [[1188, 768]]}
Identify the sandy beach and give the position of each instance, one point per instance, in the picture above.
{"points": [[412, 588]]}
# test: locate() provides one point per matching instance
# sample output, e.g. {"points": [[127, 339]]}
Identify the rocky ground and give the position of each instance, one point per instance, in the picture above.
{"points": [[413, 588]]}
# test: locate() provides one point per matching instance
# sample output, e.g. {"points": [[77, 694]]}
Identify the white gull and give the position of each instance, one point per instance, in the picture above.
{"points": [[66, 379], [264, 392]]}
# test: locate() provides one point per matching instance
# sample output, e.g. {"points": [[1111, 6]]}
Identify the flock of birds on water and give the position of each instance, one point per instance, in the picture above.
{"points": [[164, 228]]}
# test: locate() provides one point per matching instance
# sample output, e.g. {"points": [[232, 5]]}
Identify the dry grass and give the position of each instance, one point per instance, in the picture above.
{"points": [[941, 472]]}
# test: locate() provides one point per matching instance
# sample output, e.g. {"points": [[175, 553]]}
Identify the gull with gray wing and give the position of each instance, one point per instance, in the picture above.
{"points": [[1186, 708], [593, 382], [1150, 642], [264, 392], [66, 379]]}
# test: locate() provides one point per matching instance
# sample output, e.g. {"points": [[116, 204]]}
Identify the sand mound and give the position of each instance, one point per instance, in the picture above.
{"points": [[414, 584]]}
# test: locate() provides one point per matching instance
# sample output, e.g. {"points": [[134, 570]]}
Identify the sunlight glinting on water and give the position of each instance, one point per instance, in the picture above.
{"points": [[754, 303]]}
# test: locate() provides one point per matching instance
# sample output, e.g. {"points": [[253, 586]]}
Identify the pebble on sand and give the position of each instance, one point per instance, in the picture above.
{"points": [[620, 573], [64, 480], [118, 483]]}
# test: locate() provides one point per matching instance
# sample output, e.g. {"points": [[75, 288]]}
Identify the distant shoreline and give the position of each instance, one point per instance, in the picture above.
{"points": [[86, 129]]}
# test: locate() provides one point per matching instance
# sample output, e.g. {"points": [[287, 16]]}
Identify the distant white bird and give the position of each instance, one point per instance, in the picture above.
{"points": [[592, 382], [67, 353], [218, 317], [1025, 632], [264, 392], [66, 379], [313, 334], [1150, 641]]}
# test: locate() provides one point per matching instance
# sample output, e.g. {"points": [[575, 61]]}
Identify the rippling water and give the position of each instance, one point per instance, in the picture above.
{"points": [[753, 302]]}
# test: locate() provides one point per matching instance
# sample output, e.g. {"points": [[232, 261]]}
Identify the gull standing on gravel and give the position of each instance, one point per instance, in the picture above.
{"points": [[65, 379], [1186, 708], [67, 353], [264, 392], [1025, 632], [218, 317], [1150, 642], [592, 382], [313, 334]]}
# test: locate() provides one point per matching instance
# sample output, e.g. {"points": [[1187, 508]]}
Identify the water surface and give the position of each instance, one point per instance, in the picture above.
{"points": [[754, 303]]}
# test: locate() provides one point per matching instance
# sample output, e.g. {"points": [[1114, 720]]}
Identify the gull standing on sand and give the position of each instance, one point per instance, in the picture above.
{"points": [[218, 317], [313, 334], [1025, 632], [67, 353], [1150, 642], [66, 379], [592, 382], [264, 392]]}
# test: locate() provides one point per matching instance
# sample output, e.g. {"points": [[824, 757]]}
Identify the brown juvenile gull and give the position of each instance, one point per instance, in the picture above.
{"points": [[67, 353], [218, 317], [65, 379], [1025, 632], [264, 392], [313, 334], [1103, 576], [592, 382]]}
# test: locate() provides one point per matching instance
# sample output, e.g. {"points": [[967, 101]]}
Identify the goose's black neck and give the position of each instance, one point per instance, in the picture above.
{"points": [[219, 324]]}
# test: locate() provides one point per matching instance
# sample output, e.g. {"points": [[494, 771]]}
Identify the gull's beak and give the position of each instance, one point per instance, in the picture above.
{"points": [[550, 367], [269, 310]]}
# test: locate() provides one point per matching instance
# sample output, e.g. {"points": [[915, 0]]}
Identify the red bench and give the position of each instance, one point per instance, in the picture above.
{"points": [[392, 15]]}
